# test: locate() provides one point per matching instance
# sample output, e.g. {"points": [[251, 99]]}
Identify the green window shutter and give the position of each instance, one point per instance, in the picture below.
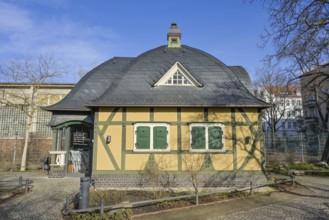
{"points": [[215, 138], [198, 137], [143, 137], [159, 137]]}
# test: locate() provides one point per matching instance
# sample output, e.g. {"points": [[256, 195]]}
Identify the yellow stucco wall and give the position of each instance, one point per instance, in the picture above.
{"points": [[128, 160]]}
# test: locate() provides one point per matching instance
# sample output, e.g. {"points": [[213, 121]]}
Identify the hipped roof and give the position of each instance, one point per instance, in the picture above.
{"points": [[130, 82]]}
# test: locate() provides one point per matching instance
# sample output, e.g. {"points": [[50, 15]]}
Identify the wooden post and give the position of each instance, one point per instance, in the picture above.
{"points": [[26, 186], [20, 181], [102, 207]]}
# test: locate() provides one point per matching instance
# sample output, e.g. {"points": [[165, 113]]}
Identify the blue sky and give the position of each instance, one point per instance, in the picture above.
{"points": [[83, 34]]}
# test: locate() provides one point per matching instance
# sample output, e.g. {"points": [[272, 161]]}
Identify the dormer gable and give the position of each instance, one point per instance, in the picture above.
{"points": [[177, 75]]}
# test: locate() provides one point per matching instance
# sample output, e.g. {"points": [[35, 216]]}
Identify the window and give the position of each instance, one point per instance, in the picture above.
{"points": [[174, 40], [207, 137], [293, 102], [299, 103], [295, 124], [289, 125], [177, 75], [283, 125], [287, 103], [151, 137], [177, 79]]}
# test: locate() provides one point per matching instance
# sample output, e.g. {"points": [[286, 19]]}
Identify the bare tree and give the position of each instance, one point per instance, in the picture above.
{"points": [[272, 87], [299, 31], [194, 165], [32, 71]]}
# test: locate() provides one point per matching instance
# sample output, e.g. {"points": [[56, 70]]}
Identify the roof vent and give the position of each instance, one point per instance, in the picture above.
{"points": [[174, 36]]}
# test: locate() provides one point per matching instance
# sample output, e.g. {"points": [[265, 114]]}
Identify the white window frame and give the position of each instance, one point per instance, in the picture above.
{"points": [[207, 125], [151, 125], [180, 68], [178, 84]]}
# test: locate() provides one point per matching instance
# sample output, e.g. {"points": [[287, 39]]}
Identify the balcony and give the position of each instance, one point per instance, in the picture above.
{"points": [[311, 120], [299, 119], [310, 103]]}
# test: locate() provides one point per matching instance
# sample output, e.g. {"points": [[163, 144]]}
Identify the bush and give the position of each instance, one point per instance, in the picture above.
{"points": [[109, 197], [122, 214], [305, 166]]}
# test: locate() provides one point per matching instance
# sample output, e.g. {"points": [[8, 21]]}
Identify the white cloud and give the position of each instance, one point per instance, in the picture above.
{"points": [[77, 44], [13, 18]]}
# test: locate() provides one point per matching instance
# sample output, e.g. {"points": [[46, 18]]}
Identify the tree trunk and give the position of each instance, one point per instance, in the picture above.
{"points": [[325, 154], [26, 143]]}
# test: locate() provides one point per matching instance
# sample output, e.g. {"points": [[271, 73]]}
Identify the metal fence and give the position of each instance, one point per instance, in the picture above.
{"points": [[294, 147]]}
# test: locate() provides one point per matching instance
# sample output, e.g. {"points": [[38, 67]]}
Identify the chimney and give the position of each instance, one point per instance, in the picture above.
{"points": [[174, 36]]}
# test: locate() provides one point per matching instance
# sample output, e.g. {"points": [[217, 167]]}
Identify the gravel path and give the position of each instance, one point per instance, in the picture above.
{"points": [[47, 198], [45, 201], [307, 207]]}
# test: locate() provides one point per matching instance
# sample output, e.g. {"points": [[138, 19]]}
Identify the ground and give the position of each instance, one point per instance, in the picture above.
{"points": [[47, 198]]}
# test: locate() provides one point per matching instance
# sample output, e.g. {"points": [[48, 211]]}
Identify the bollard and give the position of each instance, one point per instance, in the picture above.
{"points": [[84, 192], [20, 181], [251, 187], [102, 207], [26, 186]]}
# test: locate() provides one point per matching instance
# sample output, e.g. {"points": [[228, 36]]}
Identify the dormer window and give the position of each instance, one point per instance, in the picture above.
{"points": [[177, 79], [177, 75]]}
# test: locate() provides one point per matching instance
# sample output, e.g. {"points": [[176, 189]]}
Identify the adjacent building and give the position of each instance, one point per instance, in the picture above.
{"points": [[15, 105], [286, 113], [315, 92]]}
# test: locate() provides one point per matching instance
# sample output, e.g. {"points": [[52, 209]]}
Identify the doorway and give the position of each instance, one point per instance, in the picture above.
{"points": [[79, 149]]}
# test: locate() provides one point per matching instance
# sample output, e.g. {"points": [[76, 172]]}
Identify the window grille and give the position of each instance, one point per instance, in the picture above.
{"points": [[12, 121], [43, 119]]}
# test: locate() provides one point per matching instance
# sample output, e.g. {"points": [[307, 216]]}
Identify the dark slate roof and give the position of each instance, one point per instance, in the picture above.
{"points": [[135, 87], [242, 74], [92, 85]]}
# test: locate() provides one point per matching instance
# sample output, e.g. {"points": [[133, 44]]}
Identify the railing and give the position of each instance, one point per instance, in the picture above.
{"points": [[13, 188], [67, 210], [311, 120], [310, 103]]}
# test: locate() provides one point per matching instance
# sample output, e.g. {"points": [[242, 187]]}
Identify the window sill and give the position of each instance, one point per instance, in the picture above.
{"points": [[207, 151], [150, 150]]}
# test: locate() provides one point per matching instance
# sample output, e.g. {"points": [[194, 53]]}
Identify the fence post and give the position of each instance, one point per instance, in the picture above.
{"points": [[319, 143], [250, 187], [102, 207], [293, 179], [20, 181], [67, 205], [26, 186]]}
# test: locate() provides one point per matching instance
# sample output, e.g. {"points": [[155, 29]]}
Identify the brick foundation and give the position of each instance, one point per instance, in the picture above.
{"points": [[56, 174], [37, 151], [180, 180]]}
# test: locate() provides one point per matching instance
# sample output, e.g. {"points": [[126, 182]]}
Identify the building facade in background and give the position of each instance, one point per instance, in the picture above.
{"points": [[15, 99], [287, 111], [315, 92]]}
